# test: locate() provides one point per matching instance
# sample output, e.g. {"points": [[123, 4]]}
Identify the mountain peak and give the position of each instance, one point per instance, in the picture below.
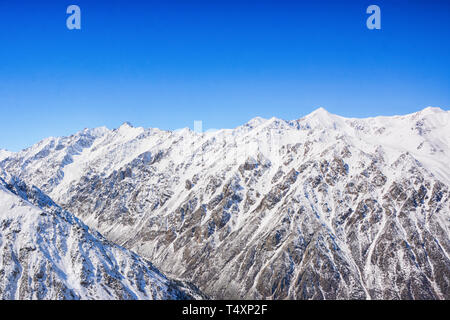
{"points": [[126, 128], [321, 118], [256, 121], [320, 111], [431, 110], [126, 124]]}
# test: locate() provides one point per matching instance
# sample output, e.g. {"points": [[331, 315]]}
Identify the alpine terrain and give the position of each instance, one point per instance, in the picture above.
{"points": [[47, 253], [323, 207]]}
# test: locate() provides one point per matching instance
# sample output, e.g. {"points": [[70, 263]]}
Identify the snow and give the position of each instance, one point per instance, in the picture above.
{"points": [[420, 139], [5, 154], [424, 134], [72, 254]]}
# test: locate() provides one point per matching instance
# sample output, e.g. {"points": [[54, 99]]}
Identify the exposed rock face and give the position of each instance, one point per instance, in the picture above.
{"points": [[47, 253], [318, 208]]}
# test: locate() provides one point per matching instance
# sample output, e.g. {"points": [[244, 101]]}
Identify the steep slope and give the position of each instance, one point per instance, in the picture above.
{"points": [[47, 253], [323, 207], [5, 154]]}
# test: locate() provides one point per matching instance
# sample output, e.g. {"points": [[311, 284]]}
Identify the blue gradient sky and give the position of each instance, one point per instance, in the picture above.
{"points": [[167, 63]]}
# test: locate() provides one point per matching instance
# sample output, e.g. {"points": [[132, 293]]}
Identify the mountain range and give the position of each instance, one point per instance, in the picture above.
{"points": [[322, 207]]}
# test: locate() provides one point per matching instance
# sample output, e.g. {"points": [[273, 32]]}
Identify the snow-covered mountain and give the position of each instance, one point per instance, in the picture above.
{"points": [[47, 253], [319, 207], [4, 154]]}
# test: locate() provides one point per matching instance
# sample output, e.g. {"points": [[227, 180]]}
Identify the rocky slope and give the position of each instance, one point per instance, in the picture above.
{"points": [[47, 253], [323, 207]]}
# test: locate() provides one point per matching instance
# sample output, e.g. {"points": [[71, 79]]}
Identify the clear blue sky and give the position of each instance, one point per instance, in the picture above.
{"points": [[167, 63]]}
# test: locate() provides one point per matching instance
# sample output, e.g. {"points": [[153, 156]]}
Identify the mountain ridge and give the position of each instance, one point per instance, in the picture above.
{"points": [[323, 207], [47, 253], [256, 120]]}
